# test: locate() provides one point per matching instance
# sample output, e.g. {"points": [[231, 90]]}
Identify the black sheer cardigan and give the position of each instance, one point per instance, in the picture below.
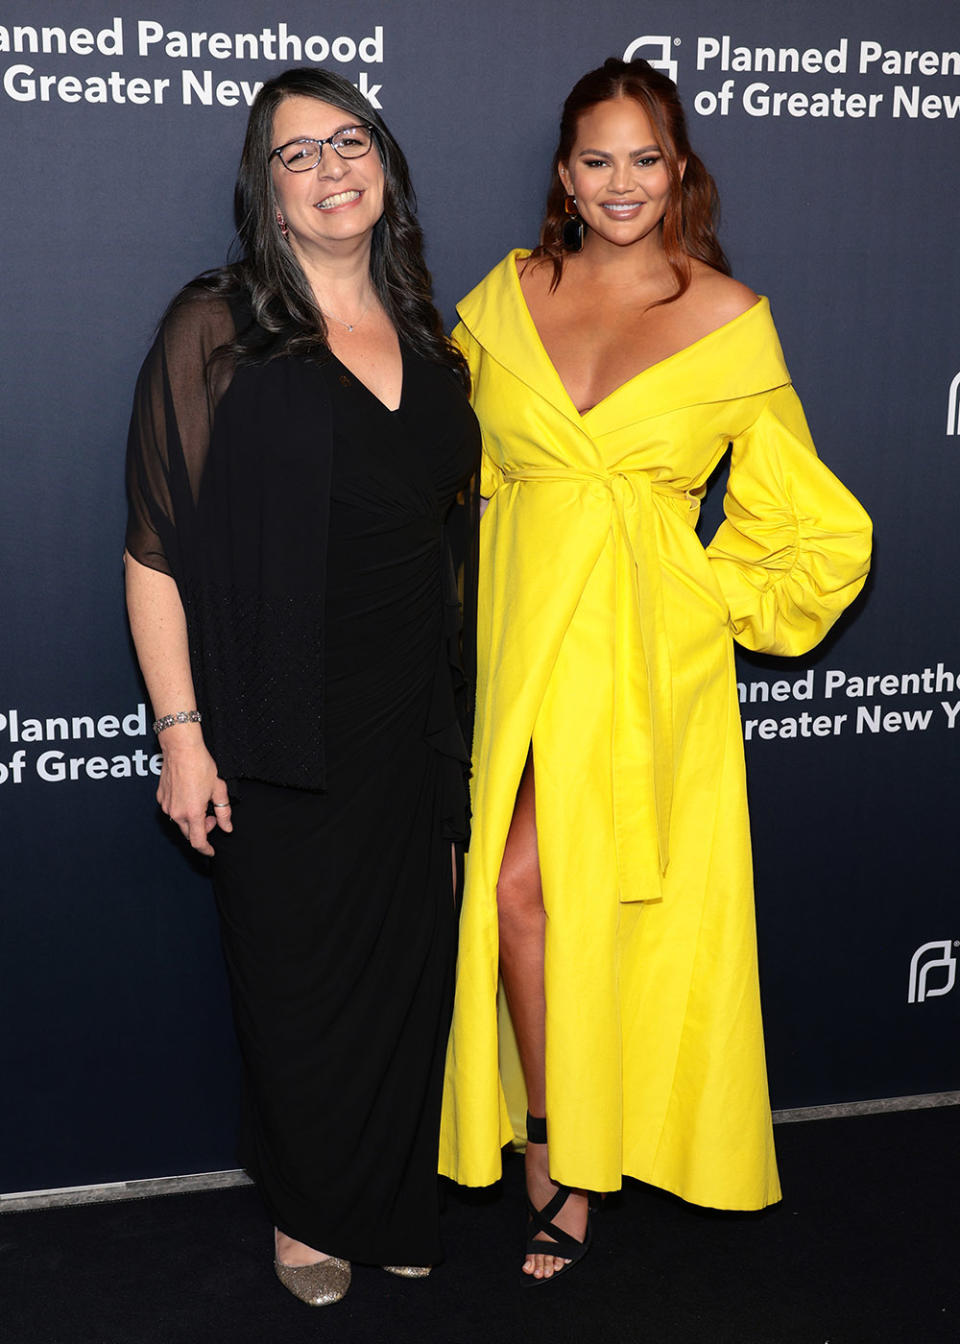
{"points": [[228, 484]]}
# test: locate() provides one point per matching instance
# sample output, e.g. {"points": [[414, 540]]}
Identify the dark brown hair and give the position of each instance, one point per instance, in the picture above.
{"points": [[269, 274], [689, 225]]}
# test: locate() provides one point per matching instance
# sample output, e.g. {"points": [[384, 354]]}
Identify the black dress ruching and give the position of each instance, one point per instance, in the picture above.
{"points": [[337, 907]]}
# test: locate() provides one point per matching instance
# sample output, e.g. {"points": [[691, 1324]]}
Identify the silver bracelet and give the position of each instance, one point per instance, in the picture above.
{"points": [[168, 720]]}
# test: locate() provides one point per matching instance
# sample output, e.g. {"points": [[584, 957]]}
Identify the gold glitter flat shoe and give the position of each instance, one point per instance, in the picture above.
{"points": [[409, 1271], [318, 1285]]}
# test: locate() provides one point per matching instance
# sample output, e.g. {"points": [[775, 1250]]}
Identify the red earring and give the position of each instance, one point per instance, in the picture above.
{"points": [[282, 223]]}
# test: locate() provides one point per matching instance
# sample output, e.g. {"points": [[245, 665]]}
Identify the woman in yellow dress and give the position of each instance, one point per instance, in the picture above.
{"points": [[609, 881]]}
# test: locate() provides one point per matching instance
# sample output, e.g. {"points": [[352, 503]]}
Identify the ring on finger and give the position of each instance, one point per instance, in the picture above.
{"points": [[221, 804]]}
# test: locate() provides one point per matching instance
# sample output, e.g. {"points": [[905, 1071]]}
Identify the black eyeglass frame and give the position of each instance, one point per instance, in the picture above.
{"points": [[327, 140]]}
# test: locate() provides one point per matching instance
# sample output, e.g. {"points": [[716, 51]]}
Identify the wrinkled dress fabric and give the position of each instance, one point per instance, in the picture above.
{"points": [[605, 639], [337, 909]]}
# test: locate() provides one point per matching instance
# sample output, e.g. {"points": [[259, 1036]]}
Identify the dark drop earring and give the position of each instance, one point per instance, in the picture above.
{"points": [[573, 226]]}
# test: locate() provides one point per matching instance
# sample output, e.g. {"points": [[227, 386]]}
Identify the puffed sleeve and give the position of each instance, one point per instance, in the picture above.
{"points": [[170, 424], [490, 477], [794, 550]]}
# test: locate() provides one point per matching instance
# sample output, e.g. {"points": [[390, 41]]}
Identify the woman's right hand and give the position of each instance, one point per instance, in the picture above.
{"points": [[189, 783]]}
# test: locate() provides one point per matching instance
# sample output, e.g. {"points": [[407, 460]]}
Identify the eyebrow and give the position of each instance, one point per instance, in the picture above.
{"points": [[347, 126], [645, 149]]}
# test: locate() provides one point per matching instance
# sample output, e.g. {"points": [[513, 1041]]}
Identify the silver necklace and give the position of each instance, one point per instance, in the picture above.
{"points": [[349, 325]]}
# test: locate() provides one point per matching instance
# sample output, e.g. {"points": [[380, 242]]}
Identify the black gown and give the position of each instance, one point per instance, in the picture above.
{"points": [[337, 908], [336, 899]]}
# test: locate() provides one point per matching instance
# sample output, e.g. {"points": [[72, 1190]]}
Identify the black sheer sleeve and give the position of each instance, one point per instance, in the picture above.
{"points": [[228, 474], [170, 428]]}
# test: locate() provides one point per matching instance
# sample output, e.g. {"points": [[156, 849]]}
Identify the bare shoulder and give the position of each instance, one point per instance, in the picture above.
{"points": [[536, 274], [718, 298]]}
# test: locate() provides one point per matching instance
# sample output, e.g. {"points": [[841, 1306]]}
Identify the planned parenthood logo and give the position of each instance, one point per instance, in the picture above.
{"points": [[953, 407], [936, 956], [654, 50]]}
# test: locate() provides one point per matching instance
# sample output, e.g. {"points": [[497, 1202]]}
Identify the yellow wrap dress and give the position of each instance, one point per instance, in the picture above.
{"points": [[606, 639]]}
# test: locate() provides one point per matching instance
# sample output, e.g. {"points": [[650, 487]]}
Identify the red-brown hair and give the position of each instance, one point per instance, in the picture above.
{"points": [[689, 224]]}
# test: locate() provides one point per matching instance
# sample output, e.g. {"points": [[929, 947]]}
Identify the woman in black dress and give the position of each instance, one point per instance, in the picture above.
{"points": [[300, 436]]}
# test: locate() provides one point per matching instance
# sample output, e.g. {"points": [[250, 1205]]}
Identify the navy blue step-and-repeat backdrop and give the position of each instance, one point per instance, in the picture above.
{"points": [[833, 133]]}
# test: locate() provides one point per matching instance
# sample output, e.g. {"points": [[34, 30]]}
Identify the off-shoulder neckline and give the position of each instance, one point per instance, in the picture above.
{"points": [[520, 253]]}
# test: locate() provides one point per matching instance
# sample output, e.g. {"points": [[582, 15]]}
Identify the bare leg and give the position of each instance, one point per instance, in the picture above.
{"points": [[522, 929]]}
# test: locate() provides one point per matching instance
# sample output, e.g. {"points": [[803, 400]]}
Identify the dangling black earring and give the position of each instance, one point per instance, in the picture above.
{"points": [[573, 226]]}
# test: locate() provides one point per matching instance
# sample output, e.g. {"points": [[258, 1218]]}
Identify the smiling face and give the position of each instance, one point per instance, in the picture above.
{"points": [[337, 202], [617, 172]]}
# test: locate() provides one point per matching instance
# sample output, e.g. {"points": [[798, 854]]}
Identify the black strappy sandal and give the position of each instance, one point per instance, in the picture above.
{"points": [[541, 1220]]}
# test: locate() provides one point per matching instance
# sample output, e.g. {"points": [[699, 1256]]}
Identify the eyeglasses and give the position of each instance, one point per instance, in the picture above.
{"points": [[350, 142]]}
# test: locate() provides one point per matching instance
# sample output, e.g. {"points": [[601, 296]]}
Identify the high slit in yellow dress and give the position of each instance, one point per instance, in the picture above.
{"points": [[606, 639]]}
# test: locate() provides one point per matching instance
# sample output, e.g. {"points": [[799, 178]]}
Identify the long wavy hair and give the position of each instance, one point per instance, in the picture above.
{"points": [[689, 224], [267, 273]]}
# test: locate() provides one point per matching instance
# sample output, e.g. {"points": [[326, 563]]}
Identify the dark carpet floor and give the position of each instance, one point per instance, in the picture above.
{"points": [[864, 1249]]}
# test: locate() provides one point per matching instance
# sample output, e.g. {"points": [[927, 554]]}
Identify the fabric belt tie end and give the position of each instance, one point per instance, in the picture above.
{"points": [[640, 865]]}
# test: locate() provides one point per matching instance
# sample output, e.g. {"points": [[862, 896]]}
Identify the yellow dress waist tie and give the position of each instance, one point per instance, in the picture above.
{"points": [[643, 775]]}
